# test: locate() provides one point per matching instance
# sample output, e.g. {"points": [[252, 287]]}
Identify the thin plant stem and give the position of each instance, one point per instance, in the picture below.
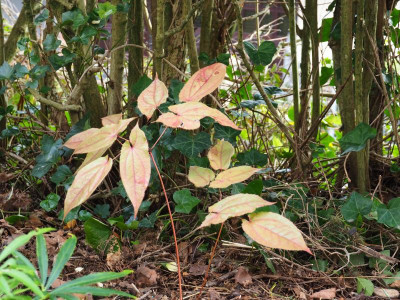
{"points": [[172, 226]]}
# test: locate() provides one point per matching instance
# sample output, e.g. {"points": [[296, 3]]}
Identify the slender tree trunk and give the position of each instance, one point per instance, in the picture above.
{"points": [[293, 51], [135, 62], [158, 28], [190, 38], [315, 63], [118, 37], [346, 99], [3, 102], [206, 22]]}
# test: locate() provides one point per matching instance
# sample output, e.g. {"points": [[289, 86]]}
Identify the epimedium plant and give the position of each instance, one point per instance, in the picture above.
{"points": [[267, 228]]}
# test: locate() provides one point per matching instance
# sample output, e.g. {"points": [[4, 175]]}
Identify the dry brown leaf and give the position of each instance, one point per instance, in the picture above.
{"points": [[299, 293], [325, 294], [146, 276], [4, 177], [214, 295], [243, 277], [113, 258], [395, 284], [386, 293], [197, 270]]}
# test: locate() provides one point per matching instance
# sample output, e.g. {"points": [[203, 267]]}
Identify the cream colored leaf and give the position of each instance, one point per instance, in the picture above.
{"points": [[232, 176], [203, 82], [111, 119], [175, 121], [135, 167], [152, 97], [74, 141], [274, 231], [103, 138], [220, 155], [91, 156], [85, 182], [233, 206], [200, 176]]}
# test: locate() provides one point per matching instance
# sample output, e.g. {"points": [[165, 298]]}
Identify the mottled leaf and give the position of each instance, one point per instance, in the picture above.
{"points": [[274, 231], [152, 97], [135, 167], [199, 176], [233, 175], [233, 206], [220, 155], [85, 182], [202, 83]]}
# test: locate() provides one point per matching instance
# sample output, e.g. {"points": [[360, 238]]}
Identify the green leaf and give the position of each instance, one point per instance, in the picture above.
{"points": [[252, 157], [191, 145], [149, 221], [38, 71], [89, 279], [15, 219], [42, 257], [141, 85], [226, 133], [185, 201], [60, 61], [20, 241], [51, 43], [326, 74], [4, 287], [103, 210], [106, 9], [254, 187], [9, 132], [97, 234], [251, 103], [273, 90], [63, 173], [365, 285], [62, 258], [395, 16], [390, 215], [24, 279], [49, 156], [84, 215], [20, 71], [5, 71], [50, 202], [223, 58], [119, 222], [261, 56], [356, 139], [237, 188], [356, 205], [175, 88], [325, 30], [74, 18], [43, 16]]}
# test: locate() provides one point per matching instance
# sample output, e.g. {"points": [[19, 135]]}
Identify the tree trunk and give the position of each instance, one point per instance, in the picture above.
{"points": [[190, 38], [135, 61], [293, 51], [205, 34], [118, 37]]}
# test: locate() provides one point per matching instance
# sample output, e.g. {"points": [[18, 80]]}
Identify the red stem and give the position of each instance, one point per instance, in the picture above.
{"points": [[172, 225]]}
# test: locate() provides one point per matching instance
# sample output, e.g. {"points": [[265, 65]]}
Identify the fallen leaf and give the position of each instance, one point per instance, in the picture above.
{"points": [[4, 177], [243, 277], [395, 284], [70, 225], [325, 294], [113, 259], [214, 295], [146, 277], [386, 293], [198, 270]]}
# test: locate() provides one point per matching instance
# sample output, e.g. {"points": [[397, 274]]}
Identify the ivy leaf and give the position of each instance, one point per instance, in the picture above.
{"points": [[365, 285], [261, 56], [74, 18], [273, 90], [106, 9], [251, 103], [226, 133], [356, 139], [390, 215], [185, 201], [87, 33], [103, 210], [254, 187], [49, 156], [326, 74], [63, 172], [325, 30], [252, 157], [50, 202], [141, 85], [60, 61], [356, 205], [43, 16], [51, 43], [97, 234], [20, 70], [5, 71], [191, 145]]}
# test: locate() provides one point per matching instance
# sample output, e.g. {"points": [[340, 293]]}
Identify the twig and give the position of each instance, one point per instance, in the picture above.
{"points": [[345, 169], [56, 105]]}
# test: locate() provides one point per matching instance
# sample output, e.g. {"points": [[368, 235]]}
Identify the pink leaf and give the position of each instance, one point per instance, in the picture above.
{"points": [[232, 176], [203, 82], [85, 182], [233, 206], [91, 156], [77, 139], [152, 97], [274, 231], [135, 167], [220, 155], [111, 119]]}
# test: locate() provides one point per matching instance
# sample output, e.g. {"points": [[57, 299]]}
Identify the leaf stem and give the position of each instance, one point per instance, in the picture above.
{"points": [[172, 223]]}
